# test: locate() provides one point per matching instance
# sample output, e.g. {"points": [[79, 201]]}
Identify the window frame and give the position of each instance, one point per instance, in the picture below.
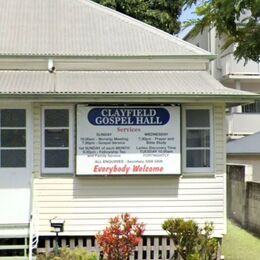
{"points": [[58, 170], [184, 140], [28, 138]]}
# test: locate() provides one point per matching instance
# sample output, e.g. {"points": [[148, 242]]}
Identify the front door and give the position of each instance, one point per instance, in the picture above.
{"points": [[15, 170], [15, 197]]}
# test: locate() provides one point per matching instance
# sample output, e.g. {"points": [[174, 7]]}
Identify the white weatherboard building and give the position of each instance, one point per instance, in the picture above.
{"points": [[245, 151], [102, 114]]}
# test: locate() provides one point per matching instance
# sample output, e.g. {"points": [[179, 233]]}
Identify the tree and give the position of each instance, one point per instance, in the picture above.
{"points": [[162, 14], [238, 20]]}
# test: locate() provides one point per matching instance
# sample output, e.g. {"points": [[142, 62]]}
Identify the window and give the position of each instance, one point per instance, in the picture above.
{"points": [[57, 155], [198, 140], [251, 108], [13, 138]]}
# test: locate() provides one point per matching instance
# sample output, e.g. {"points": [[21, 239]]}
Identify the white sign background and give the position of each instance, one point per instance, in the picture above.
{"points": [[128, 149]]}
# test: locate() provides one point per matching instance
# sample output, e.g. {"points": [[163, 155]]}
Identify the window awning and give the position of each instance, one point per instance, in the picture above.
{"points": [[139, 84]]}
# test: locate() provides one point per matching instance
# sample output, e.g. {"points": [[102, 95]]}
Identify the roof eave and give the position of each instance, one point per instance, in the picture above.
{"points": [[109, 57], [243, 153], [135, 98]]}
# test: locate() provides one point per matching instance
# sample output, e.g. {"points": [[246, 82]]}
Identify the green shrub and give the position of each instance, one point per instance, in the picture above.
{"points": [[69, 254], [191, 242]]}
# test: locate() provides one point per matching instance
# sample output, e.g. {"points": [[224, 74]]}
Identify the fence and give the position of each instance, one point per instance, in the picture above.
{"points": [[152, 248], [243, 197]]}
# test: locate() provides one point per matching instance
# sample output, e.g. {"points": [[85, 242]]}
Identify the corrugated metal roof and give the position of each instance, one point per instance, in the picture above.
{"points": [[80, 28], [114, 82], [246, 145]]}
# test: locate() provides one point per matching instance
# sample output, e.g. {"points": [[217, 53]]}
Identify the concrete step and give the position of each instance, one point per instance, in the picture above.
{"points": [[14, 230], [14, 248], [15, 258]]}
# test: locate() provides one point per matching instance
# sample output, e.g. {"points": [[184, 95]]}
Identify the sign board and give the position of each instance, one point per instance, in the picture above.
{"points": [[128, 140]]}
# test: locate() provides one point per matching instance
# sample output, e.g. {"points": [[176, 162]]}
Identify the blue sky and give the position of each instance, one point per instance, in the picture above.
{"points": [[186, 15]]}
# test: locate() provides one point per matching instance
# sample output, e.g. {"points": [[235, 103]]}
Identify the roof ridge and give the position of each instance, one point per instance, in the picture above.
{"points": [[151, 28]]}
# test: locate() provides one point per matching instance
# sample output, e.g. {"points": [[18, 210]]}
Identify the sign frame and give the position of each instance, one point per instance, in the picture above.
{"points": [[88, 140]]}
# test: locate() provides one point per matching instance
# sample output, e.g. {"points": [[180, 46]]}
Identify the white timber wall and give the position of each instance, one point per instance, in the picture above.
{"points": [[86, 203]]}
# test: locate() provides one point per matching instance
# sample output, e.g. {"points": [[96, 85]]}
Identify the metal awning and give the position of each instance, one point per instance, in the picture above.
{"points": [[117, 83], [248, 145]]}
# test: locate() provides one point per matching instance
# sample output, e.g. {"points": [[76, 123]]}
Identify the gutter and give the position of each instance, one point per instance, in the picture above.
{"points": [[135, 98], [107, 57], [243, 154]]}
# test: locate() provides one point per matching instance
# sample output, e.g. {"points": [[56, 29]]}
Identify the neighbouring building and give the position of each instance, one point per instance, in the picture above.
{"points": [[246, 150], [241, 120], [102, 114]]}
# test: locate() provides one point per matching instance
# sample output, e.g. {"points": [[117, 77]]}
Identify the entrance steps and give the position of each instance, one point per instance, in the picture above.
{"points": [[14, 241], [14, 248]]}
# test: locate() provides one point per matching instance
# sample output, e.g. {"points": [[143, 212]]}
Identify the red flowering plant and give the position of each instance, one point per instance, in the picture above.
{"points": [[120, 238]]}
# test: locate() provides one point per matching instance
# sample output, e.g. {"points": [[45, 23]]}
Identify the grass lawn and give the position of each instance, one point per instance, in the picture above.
{"points": [[238, 244]]}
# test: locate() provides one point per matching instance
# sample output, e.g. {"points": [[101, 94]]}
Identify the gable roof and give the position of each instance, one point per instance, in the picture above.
{"points": [[81, 28], [245, 146]]}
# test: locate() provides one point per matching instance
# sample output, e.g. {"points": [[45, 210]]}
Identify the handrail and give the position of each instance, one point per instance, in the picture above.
{"points": [[34, 238], [33, 235]]}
